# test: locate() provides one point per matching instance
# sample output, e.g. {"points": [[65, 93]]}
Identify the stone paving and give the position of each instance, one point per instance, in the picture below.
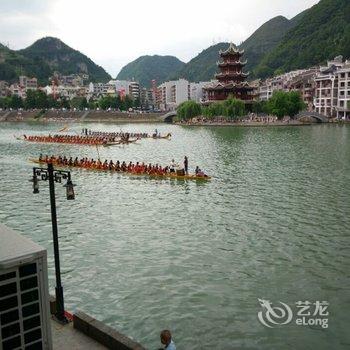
{"points": [[66, 337]]}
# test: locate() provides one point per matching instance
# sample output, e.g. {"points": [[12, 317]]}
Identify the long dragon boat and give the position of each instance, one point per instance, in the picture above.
{"points": [[76, 140], [147, 175], [137, 135]]}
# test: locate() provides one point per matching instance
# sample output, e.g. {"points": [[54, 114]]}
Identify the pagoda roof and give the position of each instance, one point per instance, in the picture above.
{"points": [[232, 74], [229, 86], [239, 62], [231, 50]]}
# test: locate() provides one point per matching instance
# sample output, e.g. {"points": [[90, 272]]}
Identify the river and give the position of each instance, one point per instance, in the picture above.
{"points": [[194, 257]]}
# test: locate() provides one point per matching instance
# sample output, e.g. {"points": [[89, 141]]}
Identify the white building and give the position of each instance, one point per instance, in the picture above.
{"points": [[342, 77], [18, 90], [4, 88], [134, 90], [28, 83], [326, 90], [197, 92], [126, 87], [101, 89], [171, 93]]}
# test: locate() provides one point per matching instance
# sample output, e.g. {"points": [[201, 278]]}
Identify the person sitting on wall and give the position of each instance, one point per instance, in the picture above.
{"points": [[166, 340]]}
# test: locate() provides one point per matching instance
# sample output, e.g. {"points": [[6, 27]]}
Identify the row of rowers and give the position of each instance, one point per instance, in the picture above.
{"points": [[121, 134], [136, 168], [74, 139]]}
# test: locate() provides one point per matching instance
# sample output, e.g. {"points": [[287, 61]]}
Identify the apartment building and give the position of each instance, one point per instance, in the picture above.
{"points": [[134, 89], [27, 83], [342, 78], [326, 90], [4, 88], [101, 89], [305, 84], [198, 92], [171, 93]]}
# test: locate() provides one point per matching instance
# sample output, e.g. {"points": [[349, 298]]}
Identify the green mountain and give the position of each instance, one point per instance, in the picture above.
{"points": [[263, 40], [14, 64], [62, 58], [146, 68], [203, 66], [44, 57], [323, 34]]}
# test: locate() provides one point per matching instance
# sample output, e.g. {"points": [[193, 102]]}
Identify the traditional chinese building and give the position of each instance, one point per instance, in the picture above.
{"points": [[231, 80]]}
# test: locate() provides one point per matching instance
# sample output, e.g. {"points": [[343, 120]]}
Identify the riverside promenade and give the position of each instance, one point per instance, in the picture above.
{"points": [[27, 311], [66, 116], [67, 337]]}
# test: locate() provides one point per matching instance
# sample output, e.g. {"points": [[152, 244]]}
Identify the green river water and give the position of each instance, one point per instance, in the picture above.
{"points": [[143, 255]]}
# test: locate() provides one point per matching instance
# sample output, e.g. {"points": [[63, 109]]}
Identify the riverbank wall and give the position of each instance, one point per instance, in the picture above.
{"points": [[247, 124], [79, 116], [99, 331]]}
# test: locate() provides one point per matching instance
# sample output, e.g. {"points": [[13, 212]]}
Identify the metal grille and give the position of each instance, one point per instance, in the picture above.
{"points": [[20, 308]]}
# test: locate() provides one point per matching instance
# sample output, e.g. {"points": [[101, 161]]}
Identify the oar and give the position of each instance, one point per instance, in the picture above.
{"points": [[98, 152]]}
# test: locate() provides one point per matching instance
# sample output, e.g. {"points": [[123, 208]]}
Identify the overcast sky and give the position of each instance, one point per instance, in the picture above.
{"points": [[113, 33]]}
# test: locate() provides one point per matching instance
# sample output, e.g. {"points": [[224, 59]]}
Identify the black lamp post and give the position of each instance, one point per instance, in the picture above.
{"points": [[55, 176]]}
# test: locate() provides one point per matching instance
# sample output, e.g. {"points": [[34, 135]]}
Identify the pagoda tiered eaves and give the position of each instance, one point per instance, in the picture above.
{"points": [[231, 78], [231, 50], [231, 74], [228, 63]]}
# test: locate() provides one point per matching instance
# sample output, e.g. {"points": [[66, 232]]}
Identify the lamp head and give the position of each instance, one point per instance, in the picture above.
{"points": [[70, 190], [35, 184]]}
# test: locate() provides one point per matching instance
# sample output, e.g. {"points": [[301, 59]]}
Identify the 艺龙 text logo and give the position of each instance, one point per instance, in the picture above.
{"points": [[307, 313]]}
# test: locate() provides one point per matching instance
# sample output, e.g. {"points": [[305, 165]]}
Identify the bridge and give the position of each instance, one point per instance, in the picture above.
{"points": [[168, 117], [320, 118]]}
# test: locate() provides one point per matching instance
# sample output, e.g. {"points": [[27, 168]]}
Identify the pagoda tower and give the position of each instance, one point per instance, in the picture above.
{"points": [[231, 78]]}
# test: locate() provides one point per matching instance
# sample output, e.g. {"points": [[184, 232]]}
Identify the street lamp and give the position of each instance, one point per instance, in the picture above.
{"points": [[55, 176]]}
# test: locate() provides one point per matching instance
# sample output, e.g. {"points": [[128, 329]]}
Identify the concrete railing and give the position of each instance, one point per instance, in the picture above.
{"points": [[99, 331], [102, 333]]}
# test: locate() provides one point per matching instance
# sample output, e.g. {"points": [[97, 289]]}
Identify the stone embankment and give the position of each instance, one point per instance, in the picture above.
{"points": [[78, 116]]}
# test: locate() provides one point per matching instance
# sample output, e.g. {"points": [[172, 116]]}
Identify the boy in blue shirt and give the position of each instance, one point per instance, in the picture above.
{"points": [[165, 338]]}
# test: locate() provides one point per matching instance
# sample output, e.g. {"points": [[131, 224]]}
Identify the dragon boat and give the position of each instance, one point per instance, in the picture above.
{"points": [[85, 141], [174, 176]]}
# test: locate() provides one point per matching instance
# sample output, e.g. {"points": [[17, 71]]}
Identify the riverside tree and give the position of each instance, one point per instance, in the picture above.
{"points": [[188, 110], [234, 108], [283, 104], [231, 108]]}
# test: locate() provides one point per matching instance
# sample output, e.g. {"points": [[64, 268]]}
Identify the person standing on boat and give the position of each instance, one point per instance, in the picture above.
{"points": [[172, 166], [186, 165]]}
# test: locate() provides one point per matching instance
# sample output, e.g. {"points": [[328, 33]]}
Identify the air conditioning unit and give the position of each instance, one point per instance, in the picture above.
{"points": [[24, 296]]}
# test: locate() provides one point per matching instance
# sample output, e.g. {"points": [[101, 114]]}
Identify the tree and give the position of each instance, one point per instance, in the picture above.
{"points": [[106, 102], [16, 102], [215, 109], [36, 99], [258, 107], [137, 102], [64, 103], [128, 102], [296, 103], [92, 104], [234, 108], [79, 103], [285, 104], [188, 110]]}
